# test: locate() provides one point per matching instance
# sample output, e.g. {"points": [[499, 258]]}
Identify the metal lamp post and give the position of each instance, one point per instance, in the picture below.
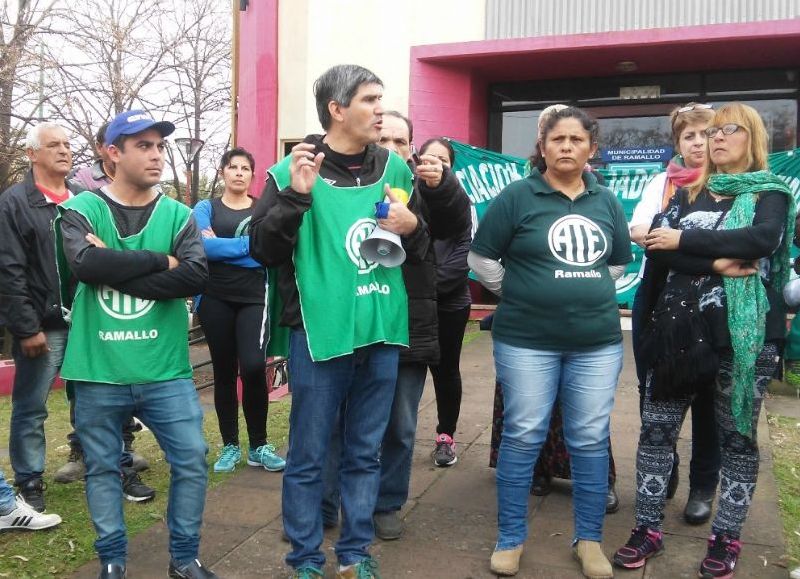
{"points": [[189, 149]]}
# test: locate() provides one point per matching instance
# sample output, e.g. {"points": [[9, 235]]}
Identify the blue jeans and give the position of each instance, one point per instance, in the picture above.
{"points": [[171, 410], [364, 382], [32, 382], [585, 382], [7, 501], [397, 448]]}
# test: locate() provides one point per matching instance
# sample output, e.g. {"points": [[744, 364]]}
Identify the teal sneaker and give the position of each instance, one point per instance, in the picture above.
{"points": [[229, 456], [364, 569], [307, 573], [265, 456]]}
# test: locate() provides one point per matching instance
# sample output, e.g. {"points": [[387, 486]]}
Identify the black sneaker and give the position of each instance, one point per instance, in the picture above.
{"points": [[112, 571], [643, 544], [33, 493], [721, 557], [133, 489], [193, 570]]}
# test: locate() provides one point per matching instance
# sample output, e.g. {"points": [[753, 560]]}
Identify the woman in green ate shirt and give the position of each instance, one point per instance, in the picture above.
{"points": [[556, 331]]}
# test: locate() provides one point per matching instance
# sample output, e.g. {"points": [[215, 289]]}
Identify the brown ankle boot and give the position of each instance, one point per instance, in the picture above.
{"points": [[506, 562], [594, 563]]}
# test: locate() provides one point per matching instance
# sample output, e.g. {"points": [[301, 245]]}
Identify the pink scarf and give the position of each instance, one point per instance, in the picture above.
{"points": [[682, 176]]}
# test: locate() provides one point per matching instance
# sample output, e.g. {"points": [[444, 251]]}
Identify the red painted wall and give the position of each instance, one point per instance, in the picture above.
{"points": [[446, 101], [257, 126]]}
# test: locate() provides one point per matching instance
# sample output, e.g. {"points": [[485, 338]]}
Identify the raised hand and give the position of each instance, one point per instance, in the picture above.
{"points": [[430, 170], [304, 167]]}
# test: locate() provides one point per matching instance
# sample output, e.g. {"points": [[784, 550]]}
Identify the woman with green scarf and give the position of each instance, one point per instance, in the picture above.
{"points": [[725, 243]]}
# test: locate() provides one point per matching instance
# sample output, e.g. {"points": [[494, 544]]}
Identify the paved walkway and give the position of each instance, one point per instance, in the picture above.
{"points": [[450, 519]]}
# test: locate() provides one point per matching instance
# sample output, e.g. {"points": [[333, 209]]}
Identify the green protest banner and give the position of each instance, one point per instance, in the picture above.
{"points": [[484, 174]]}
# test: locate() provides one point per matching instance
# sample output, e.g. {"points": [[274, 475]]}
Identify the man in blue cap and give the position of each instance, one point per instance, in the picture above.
{"points": [[136, 255]]}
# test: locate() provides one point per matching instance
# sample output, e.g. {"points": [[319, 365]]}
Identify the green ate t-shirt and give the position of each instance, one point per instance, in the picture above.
{"points": [[557, 290]]}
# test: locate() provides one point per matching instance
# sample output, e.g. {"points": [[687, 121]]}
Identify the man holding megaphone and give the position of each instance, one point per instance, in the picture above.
{"points": [[347, 316], [445, 208]]}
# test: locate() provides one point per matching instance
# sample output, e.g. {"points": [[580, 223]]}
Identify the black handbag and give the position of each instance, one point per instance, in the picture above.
{"points": [[677, 347]]}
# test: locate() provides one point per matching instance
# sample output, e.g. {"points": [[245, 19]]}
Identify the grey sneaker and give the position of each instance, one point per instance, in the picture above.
{"points": [[388, 526], [445, 452], [74, 470], [138, 462]]}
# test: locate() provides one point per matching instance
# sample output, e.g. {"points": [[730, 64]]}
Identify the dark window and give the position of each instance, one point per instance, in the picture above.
{"points": [[641, 122]]}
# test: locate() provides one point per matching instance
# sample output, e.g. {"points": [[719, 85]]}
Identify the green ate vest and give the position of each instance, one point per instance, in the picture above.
{"points": [[115, 338], [346, 302]]}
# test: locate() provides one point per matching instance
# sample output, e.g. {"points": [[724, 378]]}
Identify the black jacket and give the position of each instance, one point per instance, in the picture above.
{"points": [[29, 287], [446, 210]]}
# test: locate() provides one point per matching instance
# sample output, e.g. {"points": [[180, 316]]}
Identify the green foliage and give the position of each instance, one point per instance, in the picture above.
{"points": [[785, 435]]}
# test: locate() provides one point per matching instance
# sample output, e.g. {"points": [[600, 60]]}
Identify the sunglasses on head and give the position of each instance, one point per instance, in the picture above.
{"points": [[727, 129], [693, 108]]}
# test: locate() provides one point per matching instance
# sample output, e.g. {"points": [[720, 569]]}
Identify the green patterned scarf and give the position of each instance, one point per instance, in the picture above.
{"points": [[747, 298]]}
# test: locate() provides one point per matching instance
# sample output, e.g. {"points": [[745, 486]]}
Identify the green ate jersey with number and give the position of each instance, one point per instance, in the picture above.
{"points": [[346, 302], [116, 338]]}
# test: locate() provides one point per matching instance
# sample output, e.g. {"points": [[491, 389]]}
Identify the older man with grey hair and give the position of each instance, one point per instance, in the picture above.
{"points": [[30, 306]]}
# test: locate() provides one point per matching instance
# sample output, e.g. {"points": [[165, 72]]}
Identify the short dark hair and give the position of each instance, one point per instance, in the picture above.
{"points": [[100, 137], [340, 84], [119, 142], [444, 143], [402, 117], [237, 152], [588, 123]]}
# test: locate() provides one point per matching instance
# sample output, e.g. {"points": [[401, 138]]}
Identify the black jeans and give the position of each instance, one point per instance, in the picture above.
{"points": [[233, 332], [447, 374], [706, 457]]}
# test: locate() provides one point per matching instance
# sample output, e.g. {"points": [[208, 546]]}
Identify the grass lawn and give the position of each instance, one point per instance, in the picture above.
{"points": [[472, 332], [785, 435], [58, 552]]}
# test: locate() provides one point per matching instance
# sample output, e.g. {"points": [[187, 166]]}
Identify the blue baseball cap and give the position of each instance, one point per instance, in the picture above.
{"points": [[133, 122]]}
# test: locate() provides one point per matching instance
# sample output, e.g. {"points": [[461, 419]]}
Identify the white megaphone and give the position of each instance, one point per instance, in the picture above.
{"points": [[383, 247]]}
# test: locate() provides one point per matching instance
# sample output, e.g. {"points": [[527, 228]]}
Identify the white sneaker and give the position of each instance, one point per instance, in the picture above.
{"points": [[23, 517]]}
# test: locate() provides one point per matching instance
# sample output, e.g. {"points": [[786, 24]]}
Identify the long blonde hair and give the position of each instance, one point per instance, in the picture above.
{"points": [[747, 117]]}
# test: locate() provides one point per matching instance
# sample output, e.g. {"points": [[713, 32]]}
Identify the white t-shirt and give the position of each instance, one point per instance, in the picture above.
{"points": [[648, 207]]}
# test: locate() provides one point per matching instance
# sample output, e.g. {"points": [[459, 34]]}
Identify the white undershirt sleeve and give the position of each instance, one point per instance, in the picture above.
{"points": [[489, 272]]}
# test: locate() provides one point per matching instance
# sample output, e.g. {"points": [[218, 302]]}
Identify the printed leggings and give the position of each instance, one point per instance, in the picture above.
{"points": [[233, 331], [661, 424]]}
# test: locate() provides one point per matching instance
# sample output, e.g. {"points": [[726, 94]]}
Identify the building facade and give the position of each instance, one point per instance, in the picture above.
{"points": [[480, 71]]}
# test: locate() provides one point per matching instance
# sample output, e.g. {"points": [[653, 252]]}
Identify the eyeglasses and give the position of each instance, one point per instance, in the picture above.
{"points": [[693, 108], [727, 129]]}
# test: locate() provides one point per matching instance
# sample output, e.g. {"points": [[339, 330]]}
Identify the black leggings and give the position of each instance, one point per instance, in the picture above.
{"points": [[233, 331], [447, 374]]}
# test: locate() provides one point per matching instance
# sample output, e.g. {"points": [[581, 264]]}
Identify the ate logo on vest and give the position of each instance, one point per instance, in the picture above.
{"points": [[576, 240], [357, 233], [122, 306]]}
